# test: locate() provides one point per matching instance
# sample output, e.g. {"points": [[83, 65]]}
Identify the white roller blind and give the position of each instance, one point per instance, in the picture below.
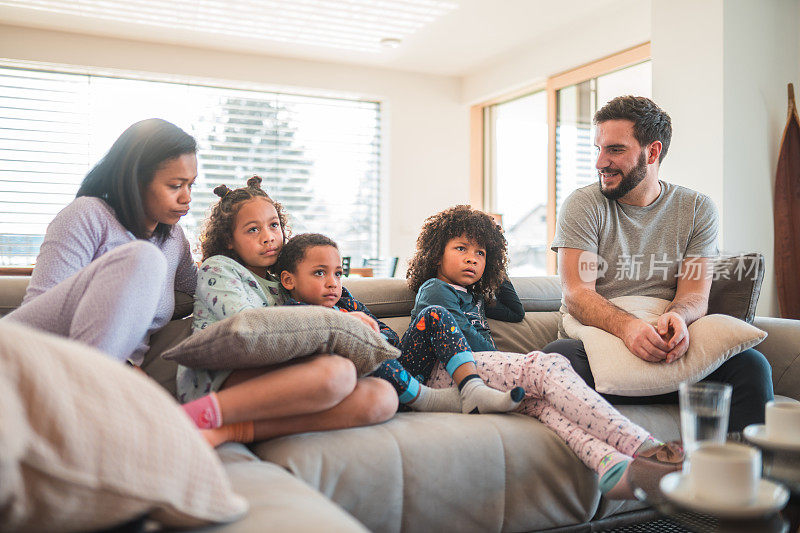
{"points": [[320, 157]]}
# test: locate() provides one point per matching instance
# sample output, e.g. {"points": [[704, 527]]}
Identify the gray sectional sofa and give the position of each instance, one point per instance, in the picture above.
{"points": [[437, 471]]}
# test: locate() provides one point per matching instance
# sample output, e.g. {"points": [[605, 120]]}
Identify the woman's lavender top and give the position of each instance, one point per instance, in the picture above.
{"points": [[88, 228]]}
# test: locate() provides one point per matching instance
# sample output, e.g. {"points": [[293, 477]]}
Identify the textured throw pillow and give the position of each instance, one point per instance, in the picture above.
{"points": [[712, 340], [271, 335], [87, 443], [736, 285]]}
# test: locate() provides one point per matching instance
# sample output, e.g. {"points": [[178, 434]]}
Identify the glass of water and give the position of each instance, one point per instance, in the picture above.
{"points": [[704, 413]]}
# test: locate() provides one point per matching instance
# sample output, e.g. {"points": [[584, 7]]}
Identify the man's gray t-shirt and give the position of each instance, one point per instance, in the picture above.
{"points": [[642, 246]]}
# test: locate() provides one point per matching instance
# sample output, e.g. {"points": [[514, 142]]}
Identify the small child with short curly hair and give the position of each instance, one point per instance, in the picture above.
{"points": [[460, 264], [241, 240]]}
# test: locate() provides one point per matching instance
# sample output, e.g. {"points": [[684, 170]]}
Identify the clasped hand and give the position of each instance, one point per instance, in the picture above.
{"points": [[667, 341]]}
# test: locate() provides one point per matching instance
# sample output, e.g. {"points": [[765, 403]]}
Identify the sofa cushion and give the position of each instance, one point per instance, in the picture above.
{"points": [[271, 335], [736, 286], [278, 500], [87, 443], [158, 368], [539, 293], [535, 331], [499, 472], [383, 296], [712, 340]]}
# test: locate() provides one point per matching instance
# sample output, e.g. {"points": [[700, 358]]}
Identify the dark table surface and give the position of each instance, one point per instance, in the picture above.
{"points": [[778, 466]]}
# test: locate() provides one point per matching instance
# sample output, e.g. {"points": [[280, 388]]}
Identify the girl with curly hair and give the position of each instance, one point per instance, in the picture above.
{"points": [[460, 264], [241, 240]]}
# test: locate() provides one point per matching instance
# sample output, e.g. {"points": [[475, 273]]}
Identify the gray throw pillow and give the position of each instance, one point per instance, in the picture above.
{"points": [[736, 286], [272, 335]]}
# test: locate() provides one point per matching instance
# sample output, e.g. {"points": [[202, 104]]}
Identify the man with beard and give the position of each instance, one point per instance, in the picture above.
{"points": [[631, 234]]}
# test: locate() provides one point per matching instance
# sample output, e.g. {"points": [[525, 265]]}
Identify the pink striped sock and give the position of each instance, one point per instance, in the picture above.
{"points": [[205, 412]]}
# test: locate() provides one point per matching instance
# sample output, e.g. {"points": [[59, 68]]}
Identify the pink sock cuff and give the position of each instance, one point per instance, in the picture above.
{"points": [[205, 412]]}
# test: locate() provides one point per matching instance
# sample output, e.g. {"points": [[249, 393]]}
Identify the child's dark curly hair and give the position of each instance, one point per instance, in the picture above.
{"points": [[451, 223], [217, 232], [295, 250]]}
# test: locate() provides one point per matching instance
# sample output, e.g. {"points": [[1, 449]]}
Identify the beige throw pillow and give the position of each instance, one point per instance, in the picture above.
{"points": [[271, 335], [87, 443], [712, 340]]}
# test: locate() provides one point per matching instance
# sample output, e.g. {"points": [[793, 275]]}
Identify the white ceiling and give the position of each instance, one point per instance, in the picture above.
{"points": [[447, 37]]}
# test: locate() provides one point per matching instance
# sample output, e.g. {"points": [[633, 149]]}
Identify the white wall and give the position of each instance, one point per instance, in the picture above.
{"points": [[586, 40], [426, 128], [688, 84], [761, 58], [721, 73]]}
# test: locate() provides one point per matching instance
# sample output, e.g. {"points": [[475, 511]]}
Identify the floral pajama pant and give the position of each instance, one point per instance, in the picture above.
{"points": [[560, 399]]}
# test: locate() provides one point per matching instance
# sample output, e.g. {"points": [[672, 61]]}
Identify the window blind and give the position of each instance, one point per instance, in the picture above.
{"points": [[319, 157]]}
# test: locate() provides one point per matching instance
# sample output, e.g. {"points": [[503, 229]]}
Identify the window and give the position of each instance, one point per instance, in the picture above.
{"points": [[319, 157], [530, 150], [517, 188], [577, 105]]}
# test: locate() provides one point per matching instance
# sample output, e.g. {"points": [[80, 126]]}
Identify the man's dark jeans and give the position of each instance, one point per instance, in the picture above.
{"points": [[748, 372]]}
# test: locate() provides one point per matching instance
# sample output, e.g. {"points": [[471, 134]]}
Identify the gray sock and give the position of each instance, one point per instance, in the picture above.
{"points": [[479, 398], [437, 400]]}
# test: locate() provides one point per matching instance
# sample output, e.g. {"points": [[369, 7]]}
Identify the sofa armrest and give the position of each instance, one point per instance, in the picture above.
{"points": [[782, 349], [12, 291]]}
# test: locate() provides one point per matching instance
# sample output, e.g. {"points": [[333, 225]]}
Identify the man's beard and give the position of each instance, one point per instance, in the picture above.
{"points": [[627, 182]]}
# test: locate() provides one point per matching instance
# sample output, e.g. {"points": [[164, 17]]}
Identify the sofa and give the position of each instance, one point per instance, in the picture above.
{"points": [[436, 471]]}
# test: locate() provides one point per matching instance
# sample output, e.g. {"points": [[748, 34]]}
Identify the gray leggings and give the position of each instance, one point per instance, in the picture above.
{"points": [[110, 304]]}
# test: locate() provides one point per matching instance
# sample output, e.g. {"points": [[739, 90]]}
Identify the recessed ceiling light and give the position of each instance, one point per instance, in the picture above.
{"points": [[390, 42], [345, 24]]}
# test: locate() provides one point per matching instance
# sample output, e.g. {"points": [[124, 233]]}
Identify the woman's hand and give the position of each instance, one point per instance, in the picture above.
{"points": [[366, 319]]}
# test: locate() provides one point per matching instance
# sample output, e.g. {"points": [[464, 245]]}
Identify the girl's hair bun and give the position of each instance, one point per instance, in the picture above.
{"points": [[221, 190], [254, 182]]}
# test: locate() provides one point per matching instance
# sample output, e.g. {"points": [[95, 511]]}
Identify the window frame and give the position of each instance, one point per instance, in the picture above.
{"points": [[479, 159]]}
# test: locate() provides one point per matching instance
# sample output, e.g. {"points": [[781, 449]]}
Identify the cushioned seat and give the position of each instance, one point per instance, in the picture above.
{"points": [[436, 471]]}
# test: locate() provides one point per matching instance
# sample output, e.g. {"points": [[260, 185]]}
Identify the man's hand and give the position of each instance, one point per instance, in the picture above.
{"points": [[672, 327], [644, 342], [366, 319]]}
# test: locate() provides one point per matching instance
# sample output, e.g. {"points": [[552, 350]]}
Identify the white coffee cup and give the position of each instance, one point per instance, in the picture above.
{"points": [[725, 474], [782, 420]]}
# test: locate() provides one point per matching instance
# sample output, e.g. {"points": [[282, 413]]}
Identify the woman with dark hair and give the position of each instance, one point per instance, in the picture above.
{"points": [[111, 259]]}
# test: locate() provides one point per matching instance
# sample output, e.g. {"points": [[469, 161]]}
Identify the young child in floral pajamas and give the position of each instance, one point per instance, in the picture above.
{"points": [[241, 239], [459, 264], [310, 269]]}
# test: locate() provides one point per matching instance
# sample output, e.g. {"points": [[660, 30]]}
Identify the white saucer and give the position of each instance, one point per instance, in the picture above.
{"points": [[757, 434], [771, 498]]}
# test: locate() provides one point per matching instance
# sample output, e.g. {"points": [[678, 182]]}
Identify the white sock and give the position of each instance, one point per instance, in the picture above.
{"points": [[479, 398], [437, 400]]}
